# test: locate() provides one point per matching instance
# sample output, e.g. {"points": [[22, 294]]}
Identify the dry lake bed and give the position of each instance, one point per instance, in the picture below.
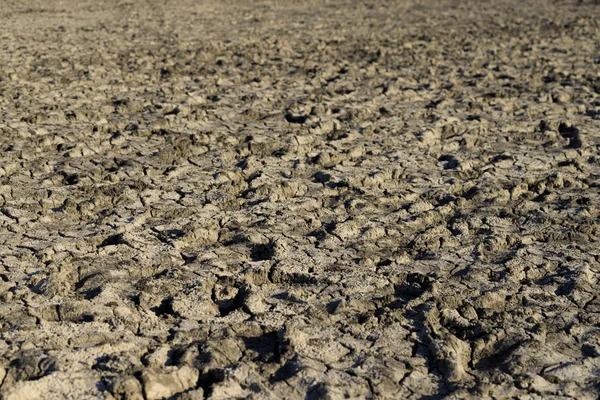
{"points": [[299, 199]]}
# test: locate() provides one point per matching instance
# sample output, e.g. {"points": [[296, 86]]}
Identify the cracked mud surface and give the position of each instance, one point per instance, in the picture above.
{"points": [[267, 200]]}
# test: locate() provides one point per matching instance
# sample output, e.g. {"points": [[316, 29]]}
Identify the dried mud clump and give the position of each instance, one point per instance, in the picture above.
{"points": [[299, 199]]}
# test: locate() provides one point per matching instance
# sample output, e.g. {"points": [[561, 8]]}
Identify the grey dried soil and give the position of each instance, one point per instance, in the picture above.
{"points": [[314, 199]]}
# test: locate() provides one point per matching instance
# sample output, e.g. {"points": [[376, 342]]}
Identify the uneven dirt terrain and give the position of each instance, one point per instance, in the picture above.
{"points": [[299, 199]]}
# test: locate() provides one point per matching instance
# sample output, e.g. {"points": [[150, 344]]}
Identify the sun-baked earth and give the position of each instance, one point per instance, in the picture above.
{"points": [[299, 199]]}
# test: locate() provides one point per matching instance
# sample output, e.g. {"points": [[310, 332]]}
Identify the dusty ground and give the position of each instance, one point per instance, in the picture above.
{"points": [[326, 199]]}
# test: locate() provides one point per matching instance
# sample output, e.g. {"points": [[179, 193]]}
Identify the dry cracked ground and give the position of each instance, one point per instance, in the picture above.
{"points": [[299, 200]]}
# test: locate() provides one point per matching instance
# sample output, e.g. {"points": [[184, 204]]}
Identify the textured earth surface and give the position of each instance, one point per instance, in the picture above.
{"points": [[299, 199]]}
